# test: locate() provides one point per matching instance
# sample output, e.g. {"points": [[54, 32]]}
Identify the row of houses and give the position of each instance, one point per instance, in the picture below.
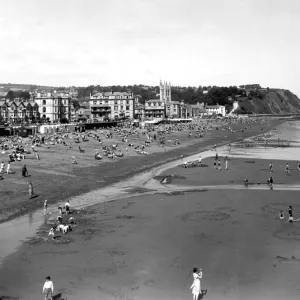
{"points": [[56, 106], [19, 111]]}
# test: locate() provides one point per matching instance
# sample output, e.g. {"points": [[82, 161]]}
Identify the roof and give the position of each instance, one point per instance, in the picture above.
{"points": [[155, 100], [214, 106]]}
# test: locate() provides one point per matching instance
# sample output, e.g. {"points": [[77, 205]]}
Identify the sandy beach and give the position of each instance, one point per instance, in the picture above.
{"points": [[145, 246], [54, 171]]}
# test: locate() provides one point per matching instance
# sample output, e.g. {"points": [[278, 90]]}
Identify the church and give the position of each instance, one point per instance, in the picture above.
{"points": [[163, 107]]}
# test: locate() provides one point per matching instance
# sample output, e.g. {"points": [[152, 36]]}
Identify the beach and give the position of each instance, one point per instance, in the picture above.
{"points": [[144, 244]]}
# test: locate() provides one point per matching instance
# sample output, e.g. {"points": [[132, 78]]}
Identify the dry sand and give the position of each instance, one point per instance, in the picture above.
{"points": [[144, 247]]}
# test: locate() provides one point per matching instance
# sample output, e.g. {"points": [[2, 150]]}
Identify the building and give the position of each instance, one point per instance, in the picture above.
{"points": [[139, 111], [216, 110], [73, 113], [111, 105], [54, 106], [155, 108], [166, 97], [162, 107], [197, 110], [18, 111]]}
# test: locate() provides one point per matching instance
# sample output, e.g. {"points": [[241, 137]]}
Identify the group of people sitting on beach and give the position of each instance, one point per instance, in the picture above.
{"points": [[60, 226]]}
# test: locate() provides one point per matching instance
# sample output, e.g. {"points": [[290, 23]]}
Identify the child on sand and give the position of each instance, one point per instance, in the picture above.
{"points": [[281, 215], [48, 288], [196, 286]]}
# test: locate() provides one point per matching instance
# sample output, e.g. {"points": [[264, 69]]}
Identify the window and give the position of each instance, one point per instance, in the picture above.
{"points": [[44, 109], [116, 102], [95, 102], [116, 107], [44, 102], [127, 101], [106, 101], [121, 107], [127, 107]]}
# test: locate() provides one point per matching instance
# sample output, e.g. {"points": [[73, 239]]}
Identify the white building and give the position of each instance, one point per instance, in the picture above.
{"points": [[111, 105], [52, 105], [215, 110]]}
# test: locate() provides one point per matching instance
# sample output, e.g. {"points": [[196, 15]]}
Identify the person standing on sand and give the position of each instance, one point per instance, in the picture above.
{"points": [[30, 190], [67, 207], [287, 168], [2, 167], [298, 166], [200, 161], [8, 168], [271, 167], [226, 163], [24, 171], [196, 286], [45, 206], [219, 165], [48, 288]]}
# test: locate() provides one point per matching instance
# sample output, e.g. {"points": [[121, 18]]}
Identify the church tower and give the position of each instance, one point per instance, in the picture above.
{"points": [[165, 96]]}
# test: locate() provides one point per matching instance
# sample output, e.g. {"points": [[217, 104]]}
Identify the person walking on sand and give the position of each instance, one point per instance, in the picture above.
{"points": [[48, 288], [298, 166], [271, 167], [226, 163]]}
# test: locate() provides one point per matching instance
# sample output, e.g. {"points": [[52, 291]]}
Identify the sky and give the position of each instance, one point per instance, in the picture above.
{"points": [[126, 42]]}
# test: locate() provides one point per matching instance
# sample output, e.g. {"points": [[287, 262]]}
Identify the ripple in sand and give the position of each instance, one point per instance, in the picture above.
{"points": [[207, 215], [288, 233]]}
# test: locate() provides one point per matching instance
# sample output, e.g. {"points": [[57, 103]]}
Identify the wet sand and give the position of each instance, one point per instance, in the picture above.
{"points": [[144, 247]]}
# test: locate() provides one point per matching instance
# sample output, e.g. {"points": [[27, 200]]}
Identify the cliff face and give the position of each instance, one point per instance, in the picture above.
{"points": [[272, 102]]}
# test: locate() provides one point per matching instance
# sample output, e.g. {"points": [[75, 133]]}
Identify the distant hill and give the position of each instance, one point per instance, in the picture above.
{"points": [[6, 87], [273, 102]]}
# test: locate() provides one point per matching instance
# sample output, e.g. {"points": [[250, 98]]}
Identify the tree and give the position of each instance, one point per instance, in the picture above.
{"points": [[11, 95], [25, 95]]}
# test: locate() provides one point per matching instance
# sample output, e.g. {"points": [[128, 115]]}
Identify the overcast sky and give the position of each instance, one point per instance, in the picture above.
{"points": [[187, 42]]}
